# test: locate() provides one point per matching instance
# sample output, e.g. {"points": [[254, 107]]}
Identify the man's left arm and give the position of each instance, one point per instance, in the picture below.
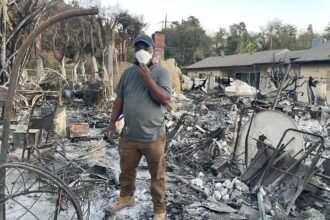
{"points": [[157, 92]]}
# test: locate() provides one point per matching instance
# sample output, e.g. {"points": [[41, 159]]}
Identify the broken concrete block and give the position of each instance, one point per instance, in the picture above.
{"points": [[208, 191], [218, 186], [224, 192], [235, 193], [241, 186], [228, 184], [226, 197], [197, 182], [217, 195]]}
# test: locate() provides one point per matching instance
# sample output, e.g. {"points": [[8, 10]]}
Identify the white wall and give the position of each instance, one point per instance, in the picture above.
{"points": [[321, 72]]}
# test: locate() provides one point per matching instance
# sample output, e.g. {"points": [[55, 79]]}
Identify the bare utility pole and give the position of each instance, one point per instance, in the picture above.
{"points": [[165, 22]]}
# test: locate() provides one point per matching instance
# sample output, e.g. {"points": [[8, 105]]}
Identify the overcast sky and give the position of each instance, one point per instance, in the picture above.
{"points": [[221, 13]]}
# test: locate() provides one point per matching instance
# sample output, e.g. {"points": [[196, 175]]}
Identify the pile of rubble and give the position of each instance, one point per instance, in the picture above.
{"points": [[202, 154]]}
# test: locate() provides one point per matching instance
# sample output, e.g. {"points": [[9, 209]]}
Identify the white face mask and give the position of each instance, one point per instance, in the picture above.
{"points": [[143, 56]]}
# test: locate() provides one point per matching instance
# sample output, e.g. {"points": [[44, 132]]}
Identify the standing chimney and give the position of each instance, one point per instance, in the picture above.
{"points": [[159, 40]]}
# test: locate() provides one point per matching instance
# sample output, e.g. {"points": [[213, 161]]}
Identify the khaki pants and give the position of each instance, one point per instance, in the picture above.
{"points": [[130, 155]]}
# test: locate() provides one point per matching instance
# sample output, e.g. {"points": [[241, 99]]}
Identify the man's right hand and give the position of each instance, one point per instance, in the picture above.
{"points": [[111, 129]]}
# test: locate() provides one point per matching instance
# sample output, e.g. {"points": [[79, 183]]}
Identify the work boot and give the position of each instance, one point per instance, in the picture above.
{"points": [[160, 216], [122, 202]]}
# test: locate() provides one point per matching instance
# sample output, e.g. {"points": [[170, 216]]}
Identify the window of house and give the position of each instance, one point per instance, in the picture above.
{"points": [[252, 79], [202, 75], [217, 79]]}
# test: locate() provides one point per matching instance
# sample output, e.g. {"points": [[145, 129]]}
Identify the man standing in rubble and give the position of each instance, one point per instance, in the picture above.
{"points": [[142, 92]]}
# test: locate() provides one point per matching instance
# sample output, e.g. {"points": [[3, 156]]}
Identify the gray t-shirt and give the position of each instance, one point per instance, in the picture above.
{"points": [[144, 117]]}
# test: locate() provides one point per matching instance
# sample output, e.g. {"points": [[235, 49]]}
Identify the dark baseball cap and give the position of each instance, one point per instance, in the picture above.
{"points": [[144, 38]]}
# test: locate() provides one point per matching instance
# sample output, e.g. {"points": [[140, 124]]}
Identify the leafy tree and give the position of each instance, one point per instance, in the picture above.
{"points": [[235, 41], [232, 44], [280, 35], [304, 40], [327, 32], [239, 40], [219, 42], [187, 42], [251, 44], [128, 28], [261, 41], [191, 21]]}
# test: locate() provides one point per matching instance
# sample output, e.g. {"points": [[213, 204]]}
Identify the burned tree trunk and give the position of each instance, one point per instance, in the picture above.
{"points": [[40, 66], [94, 62], [62, 67], [60, 42], [4, 16], [83, 70], [75, 74]]}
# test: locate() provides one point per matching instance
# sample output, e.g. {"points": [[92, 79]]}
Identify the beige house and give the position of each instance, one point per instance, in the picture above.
{"points": [[258, 68]]}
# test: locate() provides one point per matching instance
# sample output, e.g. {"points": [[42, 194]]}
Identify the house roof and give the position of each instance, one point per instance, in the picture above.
{"points": [[320, 53], [245, 59]]}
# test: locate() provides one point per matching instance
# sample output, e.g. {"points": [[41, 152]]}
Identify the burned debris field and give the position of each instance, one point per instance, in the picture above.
{"points": [[210, 173], [101, 120]]}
